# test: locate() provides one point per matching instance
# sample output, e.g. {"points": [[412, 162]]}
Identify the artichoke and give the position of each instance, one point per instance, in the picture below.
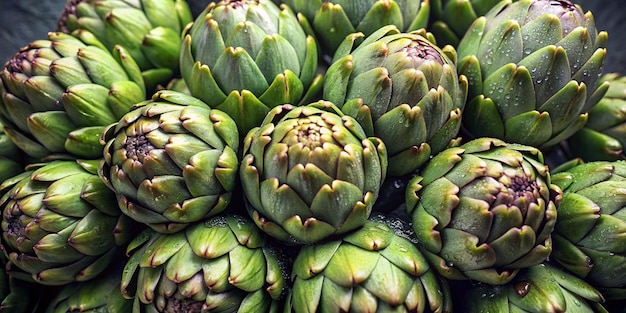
{"points": [[58, 94], [450, 19], [171, 161], [539, 288], [149, 30], [310, 172], [99, 295], [533, 67], [224, 264], [484, 210], [61, 224], [333, 20], [245, 57], [414, 97], [352, 274], [604, 136], [589, 234]]}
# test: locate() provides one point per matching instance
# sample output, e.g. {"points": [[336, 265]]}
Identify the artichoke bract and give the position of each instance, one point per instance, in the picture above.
{"points": [[401, 88], [604, 136], [224, 264], [484, 210], [19, 296], [61, 224], [171, 161], [450, 19], [533, 68], [245, 57], [333, 20], [352, 274], [589, 234], [99, 295], [539, 288], [149, 30], [310, 172], [58, 94]]}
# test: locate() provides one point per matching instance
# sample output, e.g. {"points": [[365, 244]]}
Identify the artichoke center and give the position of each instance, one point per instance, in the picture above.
{"points": [[420, 52], [16, 64], [235, 4], [175, 305], [521, 192], [69, 10], [309, 135], [14, 226], [137, 147], [565, 4]]}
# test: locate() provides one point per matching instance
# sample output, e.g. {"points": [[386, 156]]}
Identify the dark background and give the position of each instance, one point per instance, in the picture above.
{"points": [[26, 20]]}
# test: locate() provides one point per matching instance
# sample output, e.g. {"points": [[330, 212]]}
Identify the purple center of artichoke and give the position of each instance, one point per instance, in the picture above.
{"points": [[521, 192], [565, 4], [137, 147], [69, 10], [183, 305], [235, 4], [419, 52], [16, 63], [14, 226]]}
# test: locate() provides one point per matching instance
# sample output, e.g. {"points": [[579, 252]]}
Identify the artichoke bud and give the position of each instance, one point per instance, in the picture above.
{"points": [[350, 273], [148, 30], [414, 89], [532, 55], [333, 20], [484, 210], [587, 237], [539, 288], [183, 157], [605, 131], [323, 162], [234, 269], [54, 207], [80, 88], [246, 57]]}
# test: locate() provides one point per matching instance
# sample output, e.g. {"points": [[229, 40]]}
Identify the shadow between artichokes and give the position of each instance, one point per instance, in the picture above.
{"points": [[484, 210], [310, 172]]}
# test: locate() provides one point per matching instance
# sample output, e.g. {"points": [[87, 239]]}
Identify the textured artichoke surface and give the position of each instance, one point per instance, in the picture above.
{"points": [[171, 161], [310, 172], [484, 210]]}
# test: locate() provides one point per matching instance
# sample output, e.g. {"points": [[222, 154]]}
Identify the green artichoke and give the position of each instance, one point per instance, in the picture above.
{"points": [[604, 136], [310, 172], [58, 94], [149, 30], [402, 89], [589, 234], [377, 268], [539, 288], [333, 20], [484, 210], [99, 295], [245, 57], [533, 67], [450, 19], [61, 224], [222, 265], [171, 161]]}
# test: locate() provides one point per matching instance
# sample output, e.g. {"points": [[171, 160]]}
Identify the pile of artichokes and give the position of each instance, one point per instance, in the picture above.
{"points": [[314, 156]]}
